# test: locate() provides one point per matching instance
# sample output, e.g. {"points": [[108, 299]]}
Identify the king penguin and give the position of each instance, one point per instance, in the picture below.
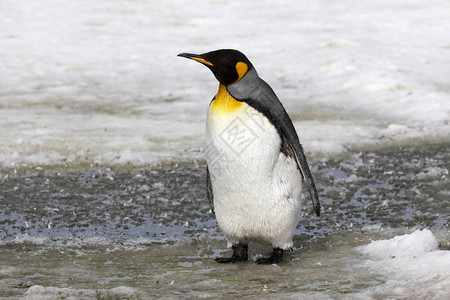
{"points": [[255, 162]]}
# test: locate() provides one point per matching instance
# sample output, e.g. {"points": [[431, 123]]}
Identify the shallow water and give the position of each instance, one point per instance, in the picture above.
{"points": [[136, 233]]}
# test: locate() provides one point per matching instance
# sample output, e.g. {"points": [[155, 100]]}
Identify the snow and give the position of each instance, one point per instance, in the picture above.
{"points": [[38, 292], [412, 265], [26, 238], [99, 81], [415, 243], [432, 172]]}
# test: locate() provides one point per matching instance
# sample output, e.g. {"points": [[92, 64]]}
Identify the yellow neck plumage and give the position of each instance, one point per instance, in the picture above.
{"points": [[224, 102]]}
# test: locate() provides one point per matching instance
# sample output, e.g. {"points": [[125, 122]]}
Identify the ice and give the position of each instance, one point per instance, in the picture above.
{"points": [[372, 228], [412, 265], [98, 82], [38, 292], [431, 173], [26, 238]]}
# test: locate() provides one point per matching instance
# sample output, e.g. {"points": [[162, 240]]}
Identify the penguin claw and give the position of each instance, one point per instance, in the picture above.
{"points": [[224, 260], [240, 253], [268, 260], [274, 258]]}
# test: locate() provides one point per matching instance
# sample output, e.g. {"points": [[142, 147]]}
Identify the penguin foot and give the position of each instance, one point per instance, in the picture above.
{"points": [[240, 253], [274, 258]]}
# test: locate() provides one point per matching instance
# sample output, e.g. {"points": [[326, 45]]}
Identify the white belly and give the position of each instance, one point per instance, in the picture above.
{"points": [[256, 187]]}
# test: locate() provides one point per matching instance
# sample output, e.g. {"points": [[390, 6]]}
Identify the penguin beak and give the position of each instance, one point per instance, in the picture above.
{"points": [[196, 57]]}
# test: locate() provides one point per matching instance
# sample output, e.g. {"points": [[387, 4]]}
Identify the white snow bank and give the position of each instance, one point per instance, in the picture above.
{"points": [[415, 243], [412, 264]]}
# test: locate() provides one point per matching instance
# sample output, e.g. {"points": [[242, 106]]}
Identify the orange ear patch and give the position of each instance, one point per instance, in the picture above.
{"points": [[241, 69]]}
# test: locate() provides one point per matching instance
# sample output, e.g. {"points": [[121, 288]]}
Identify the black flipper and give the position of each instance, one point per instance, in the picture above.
{"points": [[240, 253], [209, 190], [274, 258], [302, 164]]}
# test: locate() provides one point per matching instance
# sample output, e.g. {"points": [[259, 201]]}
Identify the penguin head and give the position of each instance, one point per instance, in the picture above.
{"points": [[227, 65]]}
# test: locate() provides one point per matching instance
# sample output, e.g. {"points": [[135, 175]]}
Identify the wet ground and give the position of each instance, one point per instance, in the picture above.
{"points": [[139, 233]]}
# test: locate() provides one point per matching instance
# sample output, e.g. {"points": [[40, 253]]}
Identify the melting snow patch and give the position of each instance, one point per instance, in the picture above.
{"points": [[404, 245], [26, 238], [371, 228], [412, 264], [432, 173], [41, 292]]}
